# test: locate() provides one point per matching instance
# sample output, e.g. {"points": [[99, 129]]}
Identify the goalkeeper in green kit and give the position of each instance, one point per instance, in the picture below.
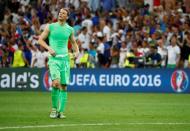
{"points": [[59, 65]]}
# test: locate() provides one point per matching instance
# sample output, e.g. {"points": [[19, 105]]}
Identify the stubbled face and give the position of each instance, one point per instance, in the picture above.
{"points": [[62, 15]]}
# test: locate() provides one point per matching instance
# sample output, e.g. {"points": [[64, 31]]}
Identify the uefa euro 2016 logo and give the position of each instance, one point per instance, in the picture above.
{"points": [[179, 81], [47, 81]]}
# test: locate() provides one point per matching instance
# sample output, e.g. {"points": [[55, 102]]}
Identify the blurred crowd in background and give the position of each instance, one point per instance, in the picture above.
{"points": [[110, 33]]}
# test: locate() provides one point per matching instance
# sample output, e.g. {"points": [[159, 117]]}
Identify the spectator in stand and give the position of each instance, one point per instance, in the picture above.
{"points": [[88, 23], [19, 58], [100, 50], [186, 49], [122, 54], [114, 57], [137, 24], [84, 38], [34, 51], [41, 58], [77, 27], [154, 57], [162, 51], [173, 51], [105, 26], [96, 19], [92, 55]]}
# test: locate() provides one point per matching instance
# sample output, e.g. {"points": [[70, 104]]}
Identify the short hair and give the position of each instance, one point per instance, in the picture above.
{"points": [[66, 9]]}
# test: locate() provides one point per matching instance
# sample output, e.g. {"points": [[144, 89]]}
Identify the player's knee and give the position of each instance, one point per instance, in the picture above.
{"points": [[64, 87], [56, 84]]}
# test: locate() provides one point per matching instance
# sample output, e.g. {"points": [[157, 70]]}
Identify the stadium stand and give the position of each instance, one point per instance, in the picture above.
{"points": [[110, 34]]}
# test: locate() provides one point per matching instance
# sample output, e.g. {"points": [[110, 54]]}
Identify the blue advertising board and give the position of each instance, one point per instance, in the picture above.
{"points": [[128, 80]]}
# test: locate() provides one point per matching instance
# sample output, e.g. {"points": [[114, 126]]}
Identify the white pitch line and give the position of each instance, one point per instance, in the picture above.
{"points": [[90, 124]]}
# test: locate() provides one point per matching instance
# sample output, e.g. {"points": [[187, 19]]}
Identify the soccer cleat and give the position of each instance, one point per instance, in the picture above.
{"points": [[61, 115], [53, 113]]}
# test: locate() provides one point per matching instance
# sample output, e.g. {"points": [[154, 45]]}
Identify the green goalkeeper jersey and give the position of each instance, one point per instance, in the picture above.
{"points": [[58, 37]]}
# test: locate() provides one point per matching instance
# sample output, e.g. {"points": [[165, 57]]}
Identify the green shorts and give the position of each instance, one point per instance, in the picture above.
{"points": [[59, 69], [171, 66]]}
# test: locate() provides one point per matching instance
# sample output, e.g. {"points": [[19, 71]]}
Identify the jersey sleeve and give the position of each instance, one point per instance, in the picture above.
{"points": [[72, 30]]}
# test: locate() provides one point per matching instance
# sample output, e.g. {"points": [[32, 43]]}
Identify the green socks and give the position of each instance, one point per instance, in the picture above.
{"points": [[58, 97], [54, 97], [62, 100]]}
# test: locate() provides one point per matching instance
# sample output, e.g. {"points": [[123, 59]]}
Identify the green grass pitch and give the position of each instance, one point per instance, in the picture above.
{"points": [[29, 111]]}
